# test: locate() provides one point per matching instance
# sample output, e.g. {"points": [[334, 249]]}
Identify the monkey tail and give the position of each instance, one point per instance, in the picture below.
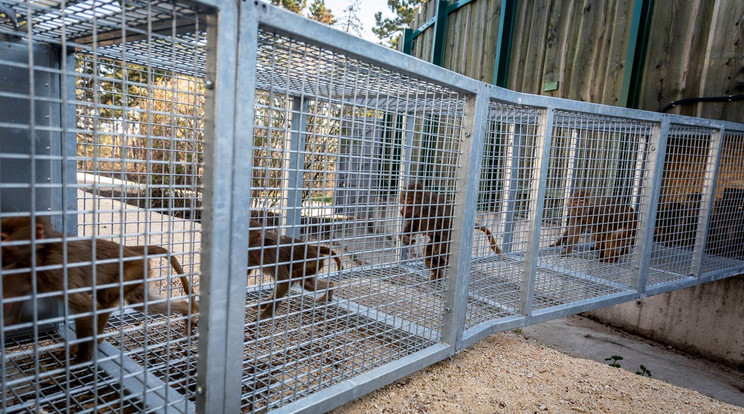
{"points": [[496, 249], [177, 267]]}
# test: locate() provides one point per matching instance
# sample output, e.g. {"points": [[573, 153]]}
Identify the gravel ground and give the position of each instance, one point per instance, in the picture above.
{"points": [[506, 373]]}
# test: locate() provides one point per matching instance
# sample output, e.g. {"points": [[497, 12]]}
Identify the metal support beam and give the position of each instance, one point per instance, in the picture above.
{"points": [[407, 41], [537, 204], [294, 162], [635, 57], [230, 84], [463, 220], [514, 153], [706, 205], [504, 43], [650, 199], [440, 33]]}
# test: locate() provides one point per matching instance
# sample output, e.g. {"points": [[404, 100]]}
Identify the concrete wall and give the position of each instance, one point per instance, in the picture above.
{"points": [[707, 320]]}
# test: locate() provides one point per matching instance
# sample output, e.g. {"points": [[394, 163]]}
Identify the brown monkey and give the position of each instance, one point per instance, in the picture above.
{"points": [[109, 276], [12, 311], [613, 225], [288, 260], [429, 213]]}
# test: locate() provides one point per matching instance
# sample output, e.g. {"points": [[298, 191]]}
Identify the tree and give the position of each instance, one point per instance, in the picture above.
{"points": [[389, 30], [351, 23], [320, 13], [296, 6]]}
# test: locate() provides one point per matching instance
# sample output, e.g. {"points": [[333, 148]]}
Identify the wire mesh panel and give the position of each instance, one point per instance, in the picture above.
{"points": [[680, 202], [336, 139], [505, 196], [101, 129], [725, 241], [592, 199]]}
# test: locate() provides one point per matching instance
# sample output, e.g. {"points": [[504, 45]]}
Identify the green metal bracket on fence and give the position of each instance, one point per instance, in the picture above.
{"points": [[407, 41], [440, 33], [635, 58], [504, 43], [451, 9], [457, 5], [424, 26]]}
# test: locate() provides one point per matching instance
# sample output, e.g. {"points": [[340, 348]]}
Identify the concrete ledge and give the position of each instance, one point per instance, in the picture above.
{"points": [[707, 320]]}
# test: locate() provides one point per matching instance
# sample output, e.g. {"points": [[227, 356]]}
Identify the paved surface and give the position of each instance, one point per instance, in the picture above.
{"points": [[584, 338]]}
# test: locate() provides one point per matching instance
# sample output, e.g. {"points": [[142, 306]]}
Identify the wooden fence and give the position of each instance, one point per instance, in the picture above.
{"points": [[633, 53]]}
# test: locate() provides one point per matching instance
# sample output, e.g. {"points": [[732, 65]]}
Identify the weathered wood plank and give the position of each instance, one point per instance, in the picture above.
{"points": [[519, 45], [723, 67], [696, 48], [493, 14], [532, 82], [675, 39], [583, 62], [474, 41], [617, 52], [556, 47]]}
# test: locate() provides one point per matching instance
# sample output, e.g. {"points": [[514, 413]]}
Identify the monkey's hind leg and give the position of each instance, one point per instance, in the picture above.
{"points": [[314, 284], [282, 283], [82, 303]]}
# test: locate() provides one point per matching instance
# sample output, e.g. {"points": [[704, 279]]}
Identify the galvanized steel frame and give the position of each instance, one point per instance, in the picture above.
{"points": [[454, 337]]}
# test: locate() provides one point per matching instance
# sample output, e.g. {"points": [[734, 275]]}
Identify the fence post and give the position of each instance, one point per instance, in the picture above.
{"points": [[440, 33], [537, 204], [504, 43], [463, 220], [407, 41], [706, 204], [294, 164], [513, 155], [229, 87], [635, 57], [647, 218]]}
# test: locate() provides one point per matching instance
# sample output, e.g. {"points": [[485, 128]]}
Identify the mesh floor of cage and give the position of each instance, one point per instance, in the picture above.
{"points": [[559, 281], [493, 295], [154, 342], [304, 348], [38, 380], [308, 346], [670, 264]]}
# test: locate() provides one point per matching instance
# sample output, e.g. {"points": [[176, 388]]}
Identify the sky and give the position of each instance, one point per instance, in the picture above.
{"points": [[367, 10]]}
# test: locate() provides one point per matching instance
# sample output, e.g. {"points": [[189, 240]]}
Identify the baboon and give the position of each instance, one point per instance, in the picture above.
{"points": [[429, 213], [111, 278], [613, 225], [288, 260]]}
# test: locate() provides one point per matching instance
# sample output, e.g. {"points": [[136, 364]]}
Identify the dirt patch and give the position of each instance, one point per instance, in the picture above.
{"points": [[506, 373]]}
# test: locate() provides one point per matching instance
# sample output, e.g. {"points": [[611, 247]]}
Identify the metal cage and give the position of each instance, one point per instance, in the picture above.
{"points": [[398, 211]]}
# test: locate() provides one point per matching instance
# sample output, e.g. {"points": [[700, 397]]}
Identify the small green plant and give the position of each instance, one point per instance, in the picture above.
{"points": [[517, 331], [643, 371], [614, 360]]}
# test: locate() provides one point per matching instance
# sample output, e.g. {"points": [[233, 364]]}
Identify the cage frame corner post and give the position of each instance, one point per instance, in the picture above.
{"points": [[651, 192], [537, 205], [464, 216], [224, 251], [707, 203]]}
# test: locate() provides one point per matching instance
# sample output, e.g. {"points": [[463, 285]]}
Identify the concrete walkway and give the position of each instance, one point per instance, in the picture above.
{"points": [[584, 338]]}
